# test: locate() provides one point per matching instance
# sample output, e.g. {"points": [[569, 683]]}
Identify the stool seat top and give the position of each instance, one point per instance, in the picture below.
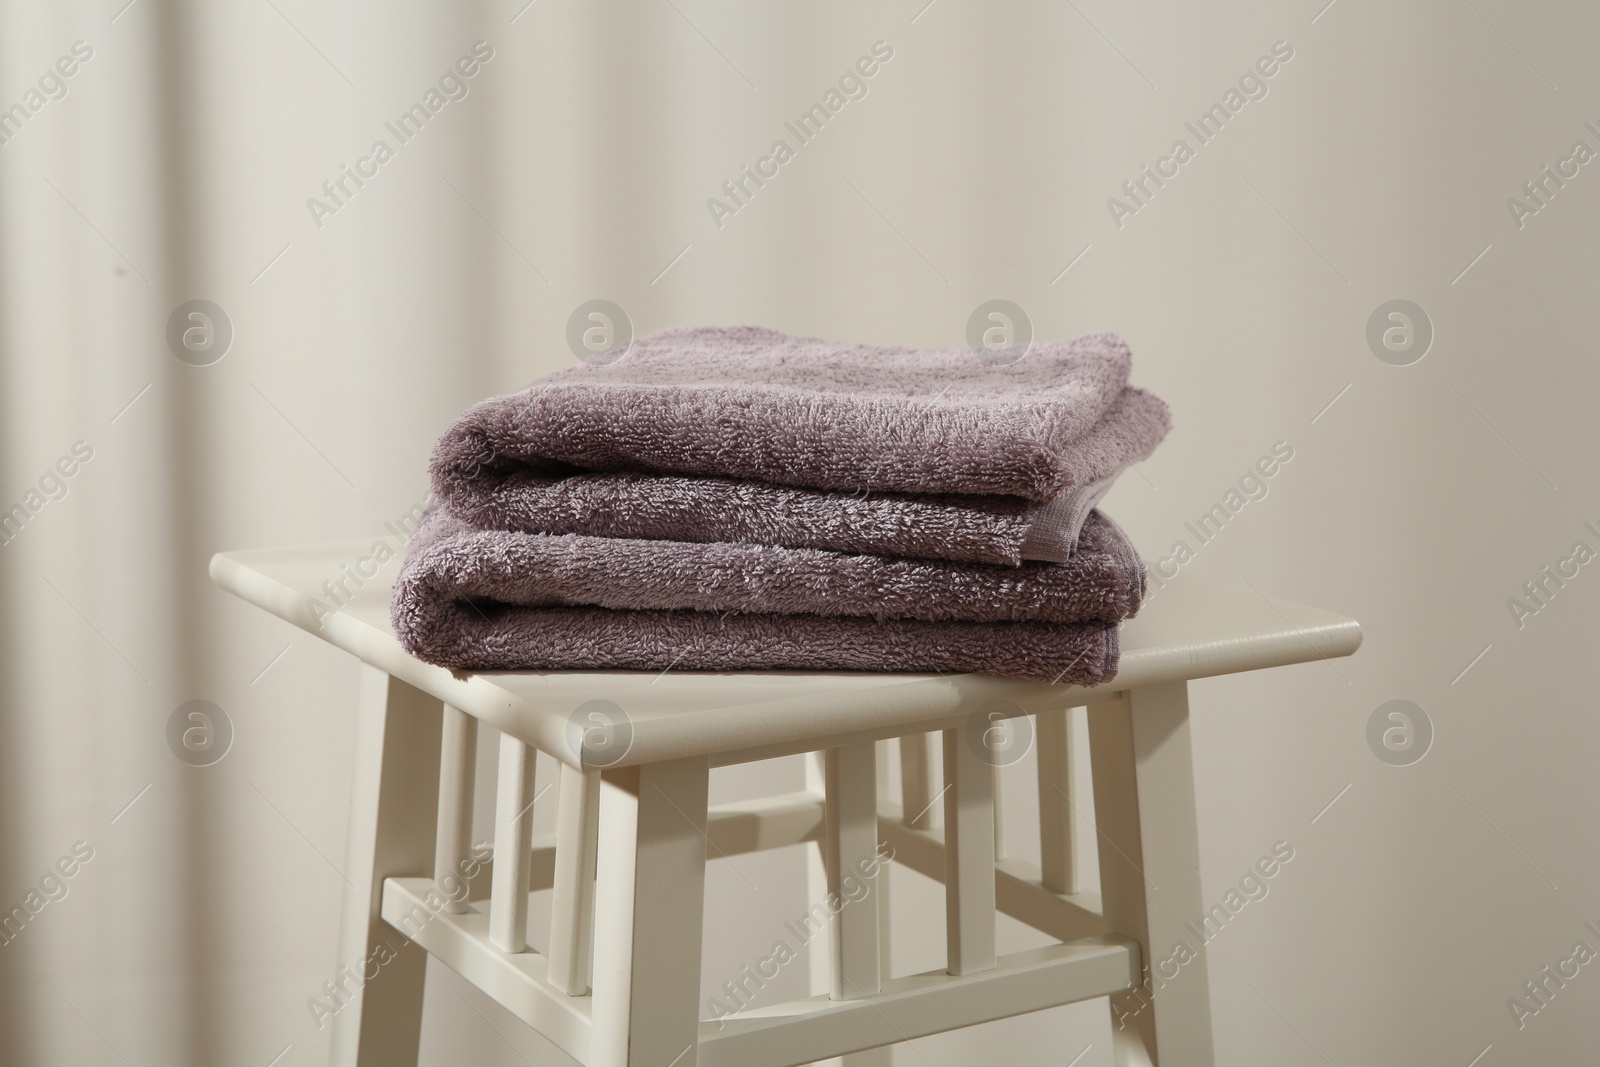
{"points": [[1193, 628]]}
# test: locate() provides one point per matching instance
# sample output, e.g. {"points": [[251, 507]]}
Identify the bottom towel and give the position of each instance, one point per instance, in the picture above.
{"points": [[465, 636]]}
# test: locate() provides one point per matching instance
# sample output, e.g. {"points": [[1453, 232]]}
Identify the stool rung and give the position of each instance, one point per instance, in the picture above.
{"points": [[1019, 889], [918, 759], [779, 1035], [850, 861], [969, 856], [458, 750], [816, 1028], [735, 829], [1058, 862], [513, 840], [572, 904], [519, 981]]}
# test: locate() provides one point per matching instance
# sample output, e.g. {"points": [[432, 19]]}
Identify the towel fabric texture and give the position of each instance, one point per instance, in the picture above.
{"points": [[481, 599], [485, 476], [735, 499]]}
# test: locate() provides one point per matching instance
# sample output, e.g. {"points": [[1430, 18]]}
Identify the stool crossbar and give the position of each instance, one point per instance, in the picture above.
{"points": [[619, 982]]}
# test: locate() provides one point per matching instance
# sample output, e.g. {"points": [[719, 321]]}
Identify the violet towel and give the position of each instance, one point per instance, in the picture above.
{"points": [[596, 639], [470, 598], [689, 464], [755, 404], [981, 529]]}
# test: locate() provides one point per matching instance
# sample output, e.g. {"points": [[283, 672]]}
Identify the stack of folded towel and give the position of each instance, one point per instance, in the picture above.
{"points": [[737, 499]]}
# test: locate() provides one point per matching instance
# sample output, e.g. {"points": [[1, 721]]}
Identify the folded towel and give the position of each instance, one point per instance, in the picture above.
{"points": [[471, 598], [1103, 581], [516, 638], [504, 493], [754, 404], [736, 499]]}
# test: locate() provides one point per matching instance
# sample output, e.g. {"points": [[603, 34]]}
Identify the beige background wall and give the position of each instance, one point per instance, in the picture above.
{"points": [[1377, 167]]}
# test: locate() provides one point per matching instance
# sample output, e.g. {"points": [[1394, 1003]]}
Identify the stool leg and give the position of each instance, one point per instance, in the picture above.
{"points": [[457, 774], [1144, 806], [392, 815], [572, 898], [649, 901], [969, 873]]}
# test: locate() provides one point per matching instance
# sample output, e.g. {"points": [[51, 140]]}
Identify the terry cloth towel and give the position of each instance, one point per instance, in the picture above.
{"points": [[477, 599], [982, 529], [749, 435]]}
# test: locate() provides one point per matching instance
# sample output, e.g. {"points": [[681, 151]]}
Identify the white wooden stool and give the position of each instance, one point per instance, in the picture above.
{"points": [[634, 828]]}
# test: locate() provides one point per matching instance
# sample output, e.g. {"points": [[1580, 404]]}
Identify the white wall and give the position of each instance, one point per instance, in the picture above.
{"points": [[1377, 167]]}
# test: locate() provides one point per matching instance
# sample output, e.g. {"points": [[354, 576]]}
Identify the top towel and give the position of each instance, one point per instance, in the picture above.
{"points": [[752, 403]]}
